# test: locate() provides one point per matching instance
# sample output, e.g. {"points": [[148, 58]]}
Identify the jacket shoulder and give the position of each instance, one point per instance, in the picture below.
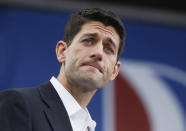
{"points": [[14, 111]]}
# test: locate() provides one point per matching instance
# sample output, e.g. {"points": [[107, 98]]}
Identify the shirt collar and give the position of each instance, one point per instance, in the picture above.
{"points": [[68, 100], [71, 105]]}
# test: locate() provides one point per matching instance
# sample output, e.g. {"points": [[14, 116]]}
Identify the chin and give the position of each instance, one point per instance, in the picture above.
{"points": [[90, 83]]}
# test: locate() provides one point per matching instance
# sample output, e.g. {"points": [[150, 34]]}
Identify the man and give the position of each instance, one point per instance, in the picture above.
{"points": [[89, 57]]}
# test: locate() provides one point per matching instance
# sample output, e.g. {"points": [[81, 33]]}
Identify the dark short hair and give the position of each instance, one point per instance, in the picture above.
{"points": [[108, 18]]}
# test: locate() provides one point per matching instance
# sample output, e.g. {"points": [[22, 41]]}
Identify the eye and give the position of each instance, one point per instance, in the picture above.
{"points": [[88, 41], [109, 49]]}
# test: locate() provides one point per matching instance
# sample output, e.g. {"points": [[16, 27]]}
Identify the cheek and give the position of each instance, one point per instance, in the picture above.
{"points": [[78, 55], [110, 66]]}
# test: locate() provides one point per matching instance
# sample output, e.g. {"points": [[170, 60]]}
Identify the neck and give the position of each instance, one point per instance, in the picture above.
{"points": [[81, 94]]}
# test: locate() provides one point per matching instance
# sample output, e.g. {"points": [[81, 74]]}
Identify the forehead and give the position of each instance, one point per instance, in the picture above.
{"points": [[101, 30]]}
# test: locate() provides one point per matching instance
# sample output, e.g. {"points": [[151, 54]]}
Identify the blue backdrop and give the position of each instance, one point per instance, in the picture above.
{"points": [[27, 49]]}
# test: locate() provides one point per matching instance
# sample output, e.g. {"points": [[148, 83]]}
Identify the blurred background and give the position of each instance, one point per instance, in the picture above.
{"points": [[150, 92]]}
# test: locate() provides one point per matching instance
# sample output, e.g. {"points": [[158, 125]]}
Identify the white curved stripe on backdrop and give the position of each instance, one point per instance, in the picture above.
{"points": [[164, 111], [163, 108]]}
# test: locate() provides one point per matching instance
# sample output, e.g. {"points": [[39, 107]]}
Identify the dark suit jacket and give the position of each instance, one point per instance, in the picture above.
{"points": [[33, 109]]}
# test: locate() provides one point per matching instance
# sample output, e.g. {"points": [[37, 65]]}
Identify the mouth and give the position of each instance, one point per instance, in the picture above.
{"points": [[95, 65]]}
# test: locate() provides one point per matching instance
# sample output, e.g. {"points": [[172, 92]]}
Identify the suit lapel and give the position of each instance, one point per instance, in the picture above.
{"points": [[56, 112]]}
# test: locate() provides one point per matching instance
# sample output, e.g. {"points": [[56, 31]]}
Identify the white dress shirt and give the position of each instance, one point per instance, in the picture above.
{"points": [[80, 119]]}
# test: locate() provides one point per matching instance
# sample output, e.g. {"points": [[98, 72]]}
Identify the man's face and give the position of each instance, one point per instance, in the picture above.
{"points": [[91, 59]]}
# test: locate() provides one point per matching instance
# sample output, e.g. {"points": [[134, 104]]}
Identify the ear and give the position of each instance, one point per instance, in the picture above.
{"points": [[116, 70], [60, 51]]}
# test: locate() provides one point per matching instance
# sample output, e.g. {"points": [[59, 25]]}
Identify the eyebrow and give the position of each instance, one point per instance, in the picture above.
{"points": [[89, 34]]}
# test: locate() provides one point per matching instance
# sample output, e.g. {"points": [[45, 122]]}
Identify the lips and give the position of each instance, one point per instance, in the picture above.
{"points": [[95, 65]]}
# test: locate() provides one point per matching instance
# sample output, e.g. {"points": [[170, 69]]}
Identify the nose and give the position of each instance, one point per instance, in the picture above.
{"points": [[97, 53]]}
